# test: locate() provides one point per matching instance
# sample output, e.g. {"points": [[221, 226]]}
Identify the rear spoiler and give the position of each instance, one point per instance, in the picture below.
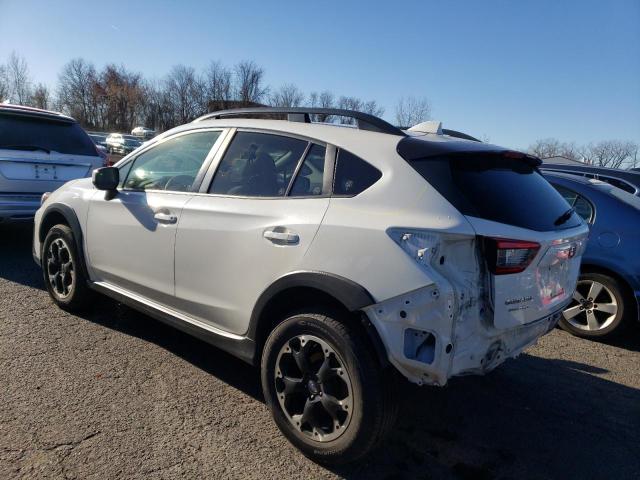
{"points": [[414, 148]]}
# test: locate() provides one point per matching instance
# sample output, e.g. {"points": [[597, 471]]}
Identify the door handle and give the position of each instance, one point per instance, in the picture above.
{"points": [[165, 217], [280, 236]]}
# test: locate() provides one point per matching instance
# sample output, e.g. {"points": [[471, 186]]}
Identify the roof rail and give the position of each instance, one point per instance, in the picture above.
{"points": [[364, 121]]}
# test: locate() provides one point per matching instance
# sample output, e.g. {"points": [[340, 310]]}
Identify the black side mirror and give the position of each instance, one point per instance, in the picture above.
{"points": [[106, 178]]}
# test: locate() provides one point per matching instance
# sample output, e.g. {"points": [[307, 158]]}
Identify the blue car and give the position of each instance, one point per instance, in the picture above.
{"points": [[607, 297]]}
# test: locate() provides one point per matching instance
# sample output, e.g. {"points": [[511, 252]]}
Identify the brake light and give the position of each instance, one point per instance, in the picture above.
{"points": [[505, 255]]}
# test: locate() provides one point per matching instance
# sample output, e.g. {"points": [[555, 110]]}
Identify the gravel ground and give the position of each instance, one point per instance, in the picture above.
{"points": [[115, 394]]}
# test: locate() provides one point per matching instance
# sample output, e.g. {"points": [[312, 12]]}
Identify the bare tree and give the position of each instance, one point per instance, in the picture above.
{"points": [[17, 73], [552, 147], [324, 99], [611, 153], [4, 84], [41, 97], [76, 85], [249, 82], [411, 111], [354, 103], [217, 84], [288, 95], [186, 93], [372, 108], [123, 97]]}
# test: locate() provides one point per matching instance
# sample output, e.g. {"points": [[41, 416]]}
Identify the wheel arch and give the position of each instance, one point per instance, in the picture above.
{"points": [[59, 213], [298, 290]]}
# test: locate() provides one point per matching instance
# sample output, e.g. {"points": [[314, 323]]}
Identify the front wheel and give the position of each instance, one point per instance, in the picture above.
{"points": [[326, 391], [64, 276]]}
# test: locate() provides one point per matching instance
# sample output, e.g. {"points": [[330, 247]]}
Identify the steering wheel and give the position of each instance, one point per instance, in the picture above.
{"points": [[180, 183]]}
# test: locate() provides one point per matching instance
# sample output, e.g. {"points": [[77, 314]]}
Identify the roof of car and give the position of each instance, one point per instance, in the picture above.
{"points": [[34, 112], [574, 178]]}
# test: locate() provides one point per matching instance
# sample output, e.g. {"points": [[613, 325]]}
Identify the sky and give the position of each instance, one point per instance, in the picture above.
{"points": [[508, 71]]}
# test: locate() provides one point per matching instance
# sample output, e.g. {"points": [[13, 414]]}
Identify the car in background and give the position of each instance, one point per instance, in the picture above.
{"points": [[143, 132], [608, 293], [122, 144], [99, 138], [627, 180], [40, 150]]}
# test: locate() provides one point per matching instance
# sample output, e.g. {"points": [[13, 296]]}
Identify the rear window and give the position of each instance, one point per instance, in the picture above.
{"points": [[27, 133], [496, 188]]}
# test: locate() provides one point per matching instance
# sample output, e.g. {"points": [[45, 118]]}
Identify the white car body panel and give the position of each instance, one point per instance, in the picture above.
{"points": [[127, 222], [223, 262], [222, 285]]}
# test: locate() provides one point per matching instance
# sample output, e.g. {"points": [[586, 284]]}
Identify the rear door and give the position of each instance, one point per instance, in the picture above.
{"points": [[130, 238], [39, 154], [250, 226], [530, 240]]}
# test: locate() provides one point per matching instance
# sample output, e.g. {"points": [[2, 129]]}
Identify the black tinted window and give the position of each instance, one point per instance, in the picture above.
{"points": [[578, 202], [27, 133], [258, 165], [309, 178], [353, 175], [496, 188]]}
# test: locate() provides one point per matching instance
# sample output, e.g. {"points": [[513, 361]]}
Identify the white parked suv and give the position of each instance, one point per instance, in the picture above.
{"points": [[331, 257], [39, 151]]}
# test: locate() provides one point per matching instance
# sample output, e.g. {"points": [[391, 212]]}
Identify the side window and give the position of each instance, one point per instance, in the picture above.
{"points": [[583, 208], [258, 165], [171, 165], [569, 195], [309, 178], [353, 175], [578, 202]]}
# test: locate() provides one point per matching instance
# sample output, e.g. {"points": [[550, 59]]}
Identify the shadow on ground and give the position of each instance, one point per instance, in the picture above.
{"points": [[532, 418]]}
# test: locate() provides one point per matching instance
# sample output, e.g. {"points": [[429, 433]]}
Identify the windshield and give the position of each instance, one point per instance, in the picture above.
{"points": [[496, 188], [29, 133]]}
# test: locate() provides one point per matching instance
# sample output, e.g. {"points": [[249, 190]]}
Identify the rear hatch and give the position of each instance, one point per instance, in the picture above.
{"points": [[39, 154], [529, 240]]}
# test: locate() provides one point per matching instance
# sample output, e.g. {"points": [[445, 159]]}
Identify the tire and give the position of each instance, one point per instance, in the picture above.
{"points": [[353, 377], [601, 317], [63, 273]]}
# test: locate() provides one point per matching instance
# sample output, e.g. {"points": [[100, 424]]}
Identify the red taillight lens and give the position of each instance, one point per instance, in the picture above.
{"points": [[505, 255]]}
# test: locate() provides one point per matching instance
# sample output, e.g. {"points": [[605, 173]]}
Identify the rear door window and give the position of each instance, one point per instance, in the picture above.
{"points": [[353, 175], [258, 165], [30, 133], [492, 187], [309, 178]]}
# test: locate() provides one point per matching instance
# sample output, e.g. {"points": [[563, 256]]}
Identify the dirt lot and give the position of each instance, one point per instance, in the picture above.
{"points": [[115, 394]]}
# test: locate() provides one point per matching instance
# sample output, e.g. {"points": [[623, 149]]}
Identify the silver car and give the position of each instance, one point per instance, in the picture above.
{"points": [[39, 151]]}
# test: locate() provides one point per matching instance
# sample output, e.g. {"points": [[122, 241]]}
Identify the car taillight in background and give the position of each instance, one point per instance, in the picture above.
{"points": [[505, 255]]}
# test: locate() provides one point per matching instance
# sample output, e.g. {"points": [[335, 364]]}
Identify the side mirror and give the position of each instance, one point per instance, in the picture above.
{"points": [[106, 178]]}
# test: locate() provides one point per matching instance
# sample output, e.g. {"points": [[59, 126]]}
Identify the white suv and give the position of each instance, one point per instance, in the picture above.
{"points": [[331, 257]]}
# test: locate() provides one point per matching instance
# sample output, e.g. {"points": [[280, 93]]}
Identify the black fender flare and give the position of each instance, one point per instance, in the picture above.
{"points": [[72, 220], [352, 295]]}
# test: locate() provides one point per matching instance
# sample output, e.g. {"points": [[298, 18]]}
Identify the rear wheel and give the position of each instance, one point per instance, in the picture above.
{"points": [[597, 309], [326, 391], [64, 276]]}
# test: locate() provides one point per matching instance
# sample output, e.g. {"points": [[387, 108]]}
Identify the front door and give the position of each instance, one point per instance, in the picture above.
{"points": [[131, 237]]}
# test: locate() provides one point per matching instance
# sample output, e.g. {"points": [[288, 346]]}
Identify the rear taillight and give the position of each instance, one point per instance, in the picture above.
{"points": [[505, 255]]}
